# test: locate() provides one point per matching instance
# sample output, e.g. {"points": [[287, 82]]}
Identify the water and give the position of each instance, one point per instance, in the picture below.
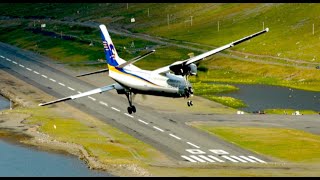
{"points": [[4, 103], [18, 160], [261, 97]]}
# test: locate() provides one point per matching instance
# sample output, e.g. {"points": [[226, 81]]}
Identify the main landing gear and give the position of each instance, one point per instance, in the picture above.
{"points": [[131, 108], [189, 92]]}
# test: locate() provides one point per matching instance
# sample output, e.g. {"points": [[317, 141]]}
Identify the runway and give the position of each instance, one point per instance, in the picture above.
{"points": [[166, 132]]}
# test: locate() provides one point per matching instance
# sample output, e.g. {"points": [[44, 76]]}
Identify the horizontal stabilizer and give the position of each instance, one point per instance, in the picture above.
{"points": [[136, 59]]}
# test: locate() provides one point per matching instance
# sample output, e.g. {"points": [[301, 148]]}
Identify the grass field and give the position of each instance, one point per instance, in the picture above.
{"points": [[279, 143]]}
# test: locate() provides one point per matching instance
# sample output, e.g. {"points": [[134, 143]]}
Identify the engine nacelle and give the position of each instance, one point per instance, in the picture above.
{"points": [[181, 69], [192, 69]]}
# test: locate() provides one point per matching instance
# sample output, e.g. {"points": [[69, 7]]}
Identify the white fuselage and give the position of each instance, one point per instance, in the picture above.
{"points": [[147, 82]]}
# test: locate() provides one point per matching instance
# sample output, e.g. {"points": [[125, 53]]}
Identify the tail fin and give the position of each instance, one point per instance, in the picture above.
{"points": [[109, 49]]}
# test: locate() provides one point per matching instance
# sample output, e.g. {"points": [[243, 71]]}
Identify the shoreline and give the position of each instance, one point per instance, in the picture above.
{"points": [[14, 122]]}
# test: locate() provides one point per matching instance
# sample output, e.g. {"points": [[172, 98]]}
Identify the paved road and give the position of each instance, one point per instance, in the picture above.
{"points": [[166, 132]]}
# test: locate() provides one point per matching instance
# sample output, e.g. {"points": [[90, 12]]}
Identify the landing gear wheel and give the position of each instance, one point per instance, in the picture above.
{"points": [[191, 104], [129, 110], [133, 108], [188, 103]]}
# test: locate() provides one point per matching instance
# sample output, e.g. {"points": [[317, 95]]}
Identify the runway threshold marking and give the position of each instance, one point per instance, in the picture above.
{"points": [[257, 159]]}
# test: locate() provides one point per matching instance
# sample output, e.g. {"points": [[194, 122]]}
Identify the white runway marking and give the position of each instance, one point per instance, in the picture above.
{"points": [[2, 56], [8, 59], [206, 158], [79, 92], [115, 109], [93, 99], [61, 84], [44, 76], [259, 160], [52, 80], [229, 158], [29, 69], [215, 158], [239, 159], [143, 121], [158, 128], [128, 115], [103, 103], [248, 159], [198, 159], [36, 72], [14, 62], [21, 65], [70, 88], [175, 136], [187, 158], [193, 145]]}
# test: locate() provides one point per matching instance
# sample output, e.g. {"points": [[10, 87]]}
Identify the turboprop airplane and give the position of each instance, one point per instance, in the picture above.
{"points": [[168, 81]]}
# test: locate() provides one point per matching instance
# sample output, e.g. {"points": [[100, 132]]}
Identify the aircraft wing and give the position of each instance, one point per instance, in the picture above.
{"points": [[88, 93], [209, 53]]}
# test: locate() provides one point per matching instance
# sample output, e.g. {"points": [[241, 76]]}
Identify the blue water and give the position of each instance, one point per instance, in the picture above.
{"points": [[261, 97], [17, 160], [4, 103]]}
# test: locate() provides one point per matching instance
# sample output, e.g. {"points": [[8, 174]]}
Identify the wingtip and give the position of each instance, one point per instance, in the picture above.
{"points": [[267, 29]]}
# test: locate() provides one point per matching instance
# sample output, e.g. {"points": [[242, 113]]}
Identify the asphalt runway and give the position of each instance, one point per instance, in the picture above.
{"points": [[165, 131]]}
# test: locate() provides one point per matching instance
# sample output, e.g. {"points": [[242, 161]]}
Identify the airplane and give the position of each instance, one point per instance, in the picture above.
{"points": [[169, 81]]}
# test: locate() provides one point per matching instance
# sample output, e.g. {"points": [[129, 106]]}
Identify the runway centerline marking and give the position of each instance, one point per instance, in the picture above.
{"points": [[14, 62], [36, 72], [128, 115], [44, 76], [159, 129], [115, 109], [21, 65], [93, 99], [61, 84], [193, 145], [8, 59], [175, 136], [79, 92], [2, 56], [52, 80], [142, 121], [70, 88], [103, 103], [29, 69]]}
